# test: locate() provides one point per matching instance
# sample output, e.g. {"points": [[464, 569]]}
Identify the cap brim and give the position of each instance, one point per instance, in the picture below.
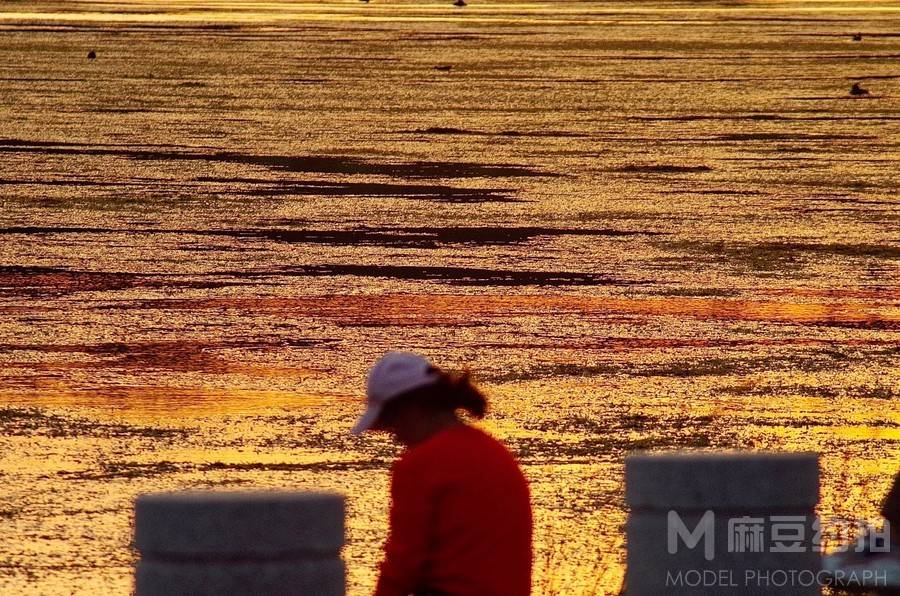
{"points": [[367, 420]]}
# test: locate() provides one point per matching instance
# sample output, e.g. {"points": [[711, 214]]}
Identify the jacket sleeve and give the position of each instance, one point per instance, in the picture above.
{"points": [[405, 552]]}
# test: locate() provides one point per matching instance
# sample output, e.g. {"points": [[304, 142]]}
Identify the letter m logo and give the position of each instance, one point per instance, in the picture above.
{"points": [[705, 530]]}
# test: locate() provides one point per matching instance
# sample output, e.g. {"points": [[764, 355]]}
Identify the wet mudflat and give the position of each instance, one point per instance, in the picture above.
{"points": [[641, 226]]}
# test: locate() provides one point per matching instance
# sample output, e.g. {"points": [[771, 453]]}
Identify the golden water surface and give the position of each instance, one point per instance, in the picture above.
{"points": [[641, 225]]}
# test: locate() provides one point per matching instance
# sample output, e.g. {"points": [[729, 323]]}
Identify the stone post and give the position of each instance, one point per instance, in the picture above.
{"points": [[722, 523], [254, 542]]}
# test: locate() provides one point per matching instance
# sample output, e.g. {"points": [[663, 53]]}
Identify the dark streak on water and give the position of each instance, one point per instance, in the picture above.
{"points": [[449, 130], [21, 281], [461, 276], [766, 251], [308, 164], [661, 169], [47, 281], [440, 193], [400, 237]]}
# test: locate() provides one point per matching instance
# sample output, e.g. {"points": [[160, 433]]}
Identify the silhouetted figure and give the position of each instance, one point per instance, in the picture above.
{"points": [[443, 67], [459, 3], [890, 509], [460, 519], [857, 37], [876, 555], [365, 1], [857, 90], [92, 55]]}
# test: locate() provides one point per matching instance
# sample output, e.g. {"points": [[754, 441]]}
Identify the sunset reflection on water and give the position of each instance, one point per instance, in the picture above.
{"points": [[639, 225]]}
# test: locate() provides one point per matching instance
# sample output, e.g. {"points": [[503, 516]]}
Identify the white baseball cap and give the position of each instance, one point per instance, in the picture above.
{"points": [[393, 375]]}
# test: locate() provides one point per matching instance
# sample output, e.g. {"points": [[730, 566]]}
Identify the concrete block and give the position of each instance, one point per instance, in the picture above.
{"points": [[301, 577], [748, 564], [251, 524], [724, 480], [722, 523]]}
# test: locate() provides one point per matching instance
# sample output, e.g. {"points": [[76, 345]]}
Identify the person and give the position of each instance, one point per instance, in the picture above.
{"points": [[869, 563], [460, 515], [890, 511]]}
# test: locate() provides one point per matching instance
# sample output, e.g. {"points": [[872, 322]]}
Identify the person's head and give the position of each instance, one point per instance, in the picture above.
{"points": [[411, 398]]}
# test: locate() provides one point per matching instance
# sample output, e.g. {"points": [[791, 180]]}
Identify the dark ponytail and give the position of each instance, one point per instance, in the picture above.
{"points": [[452, 391], [460, 392]]}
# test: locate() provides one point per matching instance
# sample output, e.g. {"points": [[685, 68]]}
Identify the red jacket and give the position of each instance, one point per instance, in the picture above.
{"points": [[460, 519]]}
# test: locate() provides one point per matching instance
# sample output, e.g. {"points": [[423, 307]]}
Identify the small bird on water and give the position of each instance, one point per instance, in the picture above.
{"points": [[857, 37], [444, 67], [459, 3], [857, 90], [92, 54]]}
